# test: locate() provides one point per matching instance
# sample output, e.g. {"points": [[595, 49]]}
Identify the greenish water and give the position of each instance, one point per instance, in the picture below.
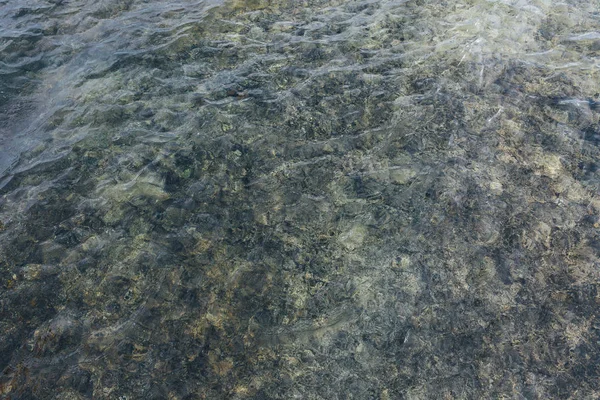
{"points": [[299, 199]]}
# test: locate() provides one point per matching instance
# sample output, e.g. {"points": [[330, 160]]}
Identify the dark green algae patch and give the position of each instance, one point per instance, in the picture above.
{"points": [[315, 200]]}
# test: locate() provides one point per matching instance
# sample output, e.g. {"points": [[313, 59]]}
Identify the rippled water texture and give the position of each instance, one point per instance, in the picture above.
{"points": [[271, 199]]}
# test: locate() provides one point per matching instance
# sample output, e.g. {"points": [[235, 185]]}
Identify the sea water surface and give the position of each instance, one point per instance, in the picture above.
{"points": [[310, 199]]}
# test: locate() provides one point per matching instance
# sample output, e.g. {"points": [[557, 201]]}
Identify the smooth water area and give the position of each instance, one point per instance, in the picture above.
{"points": [[270, 199]]}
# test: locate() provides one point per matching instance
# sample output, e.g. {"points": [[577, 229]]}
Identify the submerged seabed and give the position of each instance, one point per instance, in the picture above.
{"points": [[299, 199]]}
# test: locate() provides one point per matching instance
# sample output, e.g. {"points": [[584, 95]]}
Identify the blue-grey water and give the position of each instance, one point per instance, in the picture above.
{"points": [[310, 199]]}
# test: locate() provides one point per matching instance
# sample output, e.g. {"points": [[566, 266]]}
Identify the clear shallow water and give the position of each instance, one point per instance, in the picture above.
{"points": [[315, 199]]}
